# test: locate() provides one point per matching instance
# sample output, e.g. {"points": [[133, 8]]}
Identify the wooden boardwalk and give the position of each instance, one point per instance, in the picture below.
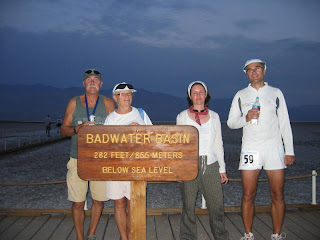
{"points": [[298, 224]]}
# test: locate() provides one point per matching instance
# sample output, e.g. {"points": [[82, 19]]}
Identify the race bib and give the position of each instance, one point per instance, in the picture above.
{"points": [[250, 159]]}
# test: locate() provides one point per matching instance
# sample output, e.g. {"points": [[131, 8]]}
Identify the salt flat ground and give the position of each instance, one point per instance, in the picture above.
{"points": [[48, 163]]}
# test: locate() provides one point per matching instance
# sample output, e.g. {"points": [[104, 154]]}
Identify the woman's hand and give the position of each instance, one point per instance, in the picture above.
{"points": [[224, 178]]}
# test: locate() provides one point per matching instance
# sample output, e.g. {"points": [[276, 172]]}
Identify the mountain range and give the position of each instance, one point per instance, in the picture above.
{"points": [[35, 102]]}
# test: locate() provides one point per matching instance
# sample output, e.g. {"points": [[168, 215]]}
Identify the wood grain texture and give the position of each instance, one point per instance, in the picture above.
{"points": [[138, 153]]}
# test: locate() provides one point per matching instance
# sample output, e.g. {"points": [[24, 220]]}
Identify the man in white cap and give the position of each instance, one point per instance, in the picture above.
{"points": [[267, 142]]}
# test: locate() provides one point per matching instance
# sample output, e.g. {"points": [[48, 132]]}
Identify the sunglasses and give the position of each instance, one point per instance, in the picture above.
{"points": [[92, 71], [124, 85]]}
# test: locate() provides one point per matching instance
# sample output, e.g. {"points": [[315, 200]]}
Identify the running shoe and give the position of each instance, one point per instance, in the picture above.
{"points": [[248, 236], [278, 236]]}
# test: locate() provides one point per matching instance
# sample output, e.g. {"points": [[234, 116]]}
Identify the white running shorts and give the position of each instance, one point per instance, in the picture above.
{"points": [[268, 159]]}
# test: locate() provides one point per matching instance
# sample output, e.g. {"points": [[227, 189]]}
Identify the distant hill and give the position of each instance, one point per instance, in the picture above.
{"points": [[34, 102]]}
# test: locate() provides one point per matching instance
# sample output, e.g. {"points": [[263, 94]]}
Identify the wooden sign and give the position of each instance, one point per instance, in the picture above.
{"points": [[138, 153]]}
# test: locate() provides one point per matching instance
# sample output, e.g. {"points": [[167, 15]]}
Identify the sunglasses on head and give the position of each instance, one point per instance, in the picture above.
{"points": [[124, 85], [92, 71]]}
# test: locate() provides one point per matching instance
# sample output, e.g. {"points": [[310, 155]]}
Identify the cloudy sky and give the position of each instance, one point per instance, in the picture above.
{"points": [[163, 45]]}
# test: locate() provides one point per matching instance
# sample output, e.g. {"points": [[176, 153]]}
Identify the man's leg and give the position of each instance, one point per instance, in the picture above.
{"points": [[120, 215], [249, 183], [276, 181], [78, 218], [96, 211]]}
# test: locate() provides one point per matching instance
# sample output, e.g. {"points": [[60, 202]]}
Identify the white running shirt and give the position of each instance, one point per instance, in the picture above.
{"points": [[273, 127]]}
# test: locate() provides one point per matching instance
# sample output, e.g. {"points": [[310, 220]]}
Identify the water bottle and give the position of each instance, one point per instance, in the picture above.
{"points": [[256, 105]]}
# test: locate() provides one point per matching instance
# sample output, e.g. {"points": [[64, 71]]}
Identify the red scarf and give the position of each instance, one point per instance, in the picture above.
{"points": [[197, 113]]}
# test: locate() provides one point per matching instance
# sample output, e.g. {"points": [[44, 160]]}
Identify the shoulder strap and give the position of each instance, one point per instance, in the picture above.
{"points": [[141, 113]]}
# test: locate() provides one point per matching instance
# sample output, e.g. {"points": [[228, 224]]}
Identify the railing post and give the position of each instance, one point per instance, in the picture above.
{"points": [[5, 143], [314, 187], [203, 203], [30, 139], [18, 141]]}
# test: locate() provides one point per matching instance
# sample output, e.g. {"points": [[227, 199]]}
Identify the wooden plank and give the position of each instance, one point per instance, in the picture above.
{"points": [[34, 212], [261, 227], [204, 220], [234, 232], [236, 219], [64, 229], [5, 223], [163, 228], [266, 218], [73, 235], [2, 217], [202, 233], [174, 220], [102, 225], [48, 228], [112, 231], [144, 153], [314, 230], [138, 210], [151, 228], [154, 211], [316, 213], [15, 228], [297, 229], [175, 225], [32, 228], [309, 217]]}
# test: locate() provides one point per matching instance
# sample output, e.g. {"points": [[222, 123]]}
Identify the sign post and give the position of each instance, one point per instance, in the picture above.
{"points": [[138, 154]]}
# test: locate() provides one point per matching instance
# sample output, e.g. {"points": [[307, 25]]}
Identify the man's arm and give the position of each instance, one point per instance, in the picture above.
{"points": [[236, 119], [66, 127], [285, 129], [284, 125]]}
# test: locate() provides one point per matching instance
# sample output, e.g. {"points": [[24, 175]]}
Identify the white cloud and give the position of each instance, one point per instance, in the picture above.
{"points": [[165, 23]]}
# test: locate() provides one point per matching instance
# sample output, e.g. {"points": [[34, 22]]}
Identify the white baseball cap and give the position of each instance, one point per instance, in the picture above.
{"points": [[255, 60], [123, 87]]}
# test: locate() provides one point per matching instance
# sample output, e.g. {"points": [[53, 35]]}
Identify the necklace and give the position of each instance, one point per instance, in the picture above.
{"points": [[199, 111], [91, 117]]}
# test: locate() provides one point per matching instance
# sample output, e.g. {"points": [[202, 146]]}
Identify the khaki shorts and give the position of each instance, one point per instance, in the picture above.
{"points": [[78, 188]]}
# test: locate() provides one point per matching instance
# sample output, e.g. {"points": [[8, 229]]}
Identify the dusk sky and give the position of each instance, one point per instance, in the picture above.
{"points": [[163, 45]]}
